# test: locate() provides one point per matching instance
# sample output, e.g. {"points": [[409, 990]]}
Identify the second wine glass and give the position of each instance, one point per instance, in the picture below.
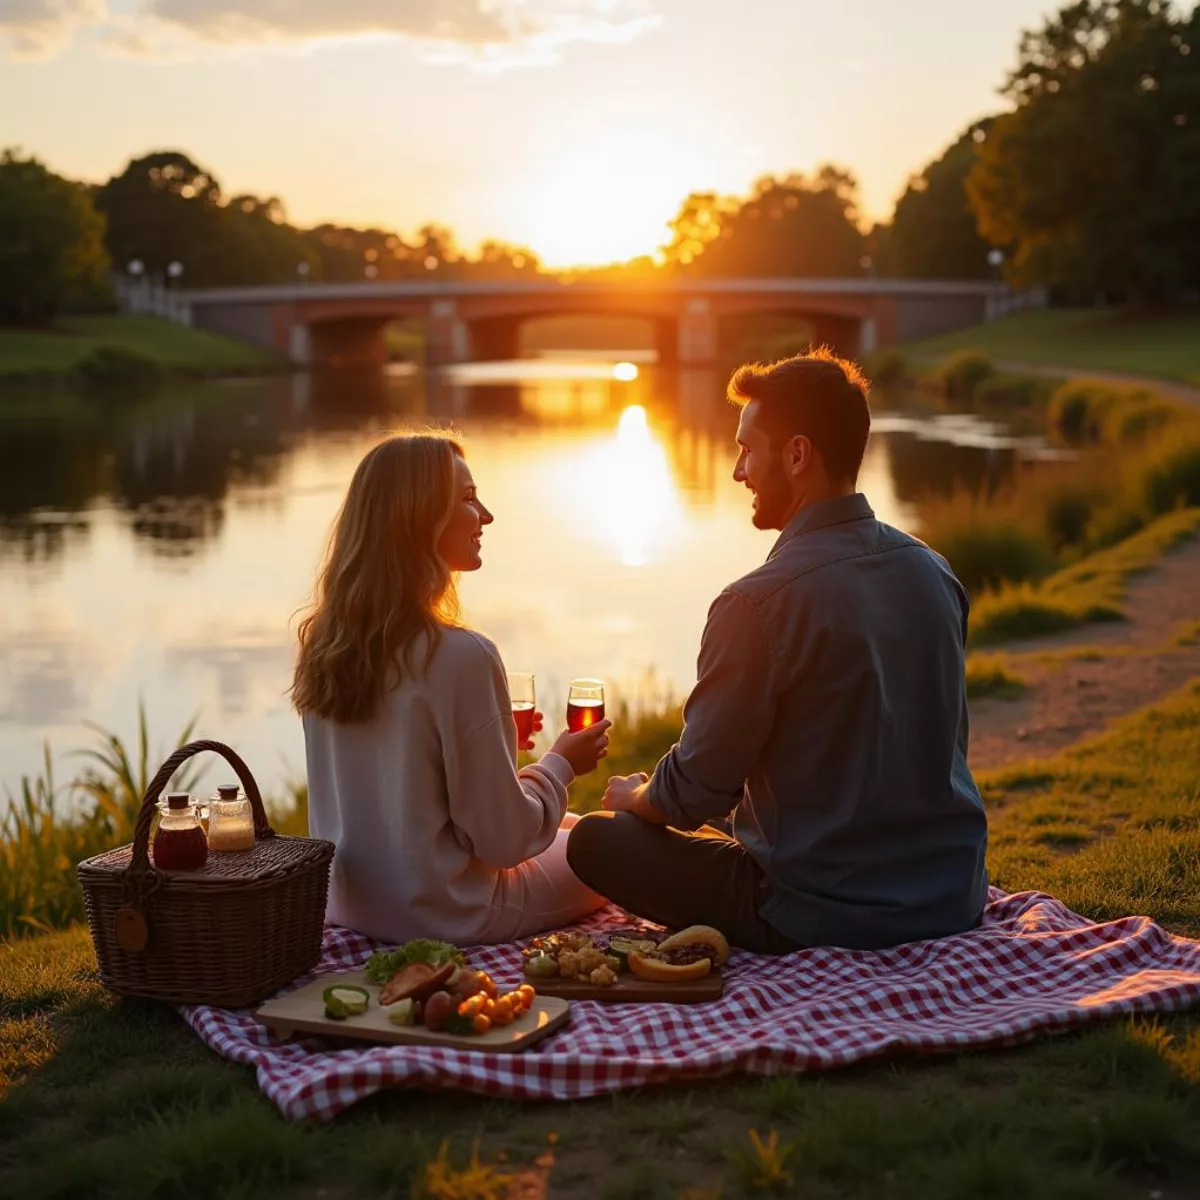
{"points": [[585, 703]]}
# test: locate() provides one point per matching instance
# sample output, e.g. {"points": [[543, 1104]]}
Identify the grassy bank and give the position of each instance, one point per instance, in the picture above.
{"points": [[1111, 826], [1166, 345], [1053, 547], [1090, 590], [57, 354]]}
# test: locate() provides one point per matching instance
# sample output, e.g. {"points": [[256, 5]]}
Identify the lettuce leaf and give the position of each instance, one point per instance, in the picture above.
{"points": [[383, 964]]}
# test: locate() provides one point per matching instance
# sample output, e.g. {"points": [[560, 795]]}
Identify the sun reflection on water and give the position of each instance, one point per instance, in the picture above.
{"points": [[626, 490]]}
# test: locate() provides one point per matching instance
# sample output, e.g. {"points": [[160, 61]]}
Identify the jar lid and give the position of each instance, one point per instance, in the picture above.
{"points": [[228, 791], [179, 799]]}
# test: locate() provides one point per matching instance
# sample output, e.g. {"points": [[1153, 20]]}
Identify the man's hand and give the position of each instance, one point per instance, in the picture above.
{"points": [[621, 793], [627, 793]]}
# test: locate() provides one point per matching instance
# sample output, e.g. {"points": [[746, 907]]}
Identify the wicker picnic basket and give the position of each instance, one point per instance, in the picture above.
{"points": [[229, 934]]}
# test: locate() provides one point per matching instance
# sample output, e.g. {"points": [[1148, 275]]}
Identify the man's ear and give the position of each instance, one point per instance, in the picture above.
{"points": [[797, 455]]}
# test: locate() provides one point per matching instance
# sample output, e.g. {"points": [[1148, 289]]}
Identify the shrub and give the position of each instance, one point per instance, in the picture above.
{"points": [[887, 367], [1074, 412], [987, 549], [1084, 411], [109, 367], [1170, 477], [1133, 420], [961, 373], [1011, 391]]}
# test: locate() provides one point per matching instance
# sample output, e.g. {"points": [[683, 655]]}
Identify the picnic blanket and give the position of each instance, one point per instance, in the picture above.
{"points": [[1031, 967]]}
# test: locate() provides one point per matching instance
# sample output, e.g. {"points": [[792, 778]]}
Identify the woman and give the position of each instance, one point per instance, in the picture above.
{"points": [[408, 728]]}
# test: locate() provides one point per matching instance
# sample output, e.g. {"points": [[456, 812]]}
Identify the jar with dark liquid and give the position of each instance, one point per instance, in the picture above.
{"points": [[179, 844]]}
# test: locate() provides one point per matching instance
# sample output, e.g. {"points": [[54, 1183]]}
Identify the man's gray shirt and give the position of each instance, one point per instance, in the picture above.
{"points": [[830, 716]]}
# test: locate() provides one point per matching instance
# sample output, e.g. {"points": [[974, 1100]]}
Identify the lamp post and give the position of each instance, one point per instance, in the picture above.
{"points": [[174, 271], [302, 270], [135, 267]]}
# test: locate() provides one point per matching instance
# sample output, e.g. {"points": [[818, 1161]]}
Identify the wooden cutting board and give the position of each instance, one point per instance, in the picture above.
{"points": [[630, 990], [303, 1011]]}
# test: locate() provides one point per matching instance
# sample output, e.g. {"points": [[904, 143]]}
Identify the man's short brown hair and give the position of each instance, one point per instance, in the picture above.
{"points": [[816, 394]]}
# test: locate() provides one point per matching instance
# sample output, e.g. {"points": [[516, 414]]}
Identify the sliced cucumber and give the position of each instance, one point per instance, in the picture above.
{"points": [[620, 948], [403, 1012], [342, 1001]]}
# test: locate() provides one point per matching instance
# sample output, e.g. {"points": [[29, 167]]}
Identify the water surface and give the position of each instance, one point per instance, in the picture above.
{"points": [[159, 550]]}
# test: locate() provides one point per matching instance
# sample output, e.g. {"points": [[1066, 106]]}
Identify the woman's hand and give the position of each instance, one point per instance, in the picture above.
{"points": [[537, 728], [583, 750]]}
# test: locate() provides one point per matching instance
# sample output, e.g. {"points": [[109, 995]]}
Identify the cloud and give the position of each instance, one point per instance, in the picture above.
{"points": [[490, 33], [41, 28]]}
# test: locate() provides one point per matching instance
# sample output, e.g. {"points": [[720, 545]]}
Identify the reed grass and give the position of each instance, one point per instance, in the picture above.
{"points": [[1138, 462], [47, 829]]}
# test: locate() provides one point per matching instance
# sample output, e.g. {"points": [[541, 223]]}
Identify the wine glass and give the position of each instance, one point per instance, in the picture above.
{"points": [[585, 703], [523, 695]]}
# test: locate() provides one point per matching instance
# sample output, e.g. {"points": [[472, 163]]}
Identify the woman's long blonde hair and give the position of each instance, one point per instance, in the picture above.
{"points": [[382, 586]]}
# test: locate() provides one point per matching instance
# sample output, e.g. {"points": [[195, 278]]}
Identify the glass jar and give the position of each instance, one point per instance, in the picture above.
{"points": [[179, 844], [230, 819]]}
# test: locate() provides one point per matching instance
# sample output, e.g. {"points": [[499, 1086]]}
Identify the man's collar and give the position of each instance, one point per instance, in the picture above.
{"points": [[835, 511]]}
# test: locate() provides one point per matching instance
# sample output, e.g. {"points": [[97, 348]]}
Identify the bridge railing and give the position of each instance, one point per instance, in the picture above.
{"points": [[145, 295]]}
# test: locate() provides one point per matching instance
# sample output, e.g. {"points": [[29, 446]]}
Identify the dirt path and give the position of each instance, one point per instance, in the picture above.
{"points": [[1080, 682]]}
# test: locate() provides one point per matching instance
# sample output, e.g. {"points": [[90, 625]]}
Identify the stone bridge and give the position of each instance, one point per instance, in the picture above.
{"points": [[342, 324]]}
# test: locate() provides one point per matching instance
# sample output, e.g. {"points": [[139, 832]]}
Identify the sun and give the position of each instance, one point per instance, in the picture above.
{"points": [[607, 197]]}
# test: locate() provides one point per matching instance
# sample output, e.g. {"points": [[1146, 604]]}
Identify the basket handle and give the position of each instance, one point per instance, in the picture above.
{"points": [[140, 863]]}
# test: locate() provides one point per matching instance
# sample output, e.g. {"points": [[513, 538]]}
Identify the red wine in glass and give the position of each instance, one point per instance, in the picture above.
{"points": [[585, 703], [523, 715], [523, 697]]}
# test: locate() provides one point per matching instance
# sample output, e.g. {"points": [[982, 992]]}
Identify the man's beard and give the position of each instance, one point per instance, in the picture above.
{"points": [[773, 501]]}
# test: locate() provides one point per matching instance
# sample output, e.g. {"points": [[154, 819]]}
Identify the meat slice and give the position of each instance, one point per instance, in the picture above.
{"points": [[418, 980]]}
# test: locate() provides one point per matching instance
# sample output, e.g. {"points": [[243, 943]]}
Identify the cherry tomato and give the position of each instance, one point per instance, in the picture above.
{"points": [[473, 1005], [504, 1011], [480, 1023], [487, 985], [528, 994]]}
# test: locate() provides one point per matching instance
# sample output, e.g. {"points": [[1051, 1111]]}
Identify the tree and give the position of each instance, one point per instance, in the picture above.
{"points": [[52, 256], [499, 260], [934, 233], [1093, 177], [788, 225], [164, 208], [255, 244]]}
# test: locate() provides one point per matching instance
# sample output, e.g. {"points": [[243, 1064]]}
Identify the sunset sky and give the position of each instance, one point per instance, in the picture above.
{"points": [[572, 126]]}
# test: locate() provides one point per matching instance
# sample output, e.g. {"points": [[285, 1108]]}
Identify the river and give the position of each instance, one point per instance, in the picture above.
{"points": [[158, 550]]}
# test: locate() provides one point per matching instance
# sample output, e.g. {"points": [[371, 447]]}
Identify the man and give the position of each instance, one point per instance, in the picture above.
{"points": [[829, 714]]}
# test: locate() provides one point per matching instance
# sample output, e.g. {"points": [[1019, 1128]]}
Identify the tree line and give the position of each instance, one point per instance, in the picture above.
{"points": [[1086, 183]]}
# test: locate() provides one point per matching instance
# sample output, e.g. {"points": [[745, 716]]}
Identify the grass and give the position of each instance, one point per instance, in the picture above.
{"points": [[55, 353], [1164, 345], [993, 675], [46, 830], [1111, 826], [1090, 590]]}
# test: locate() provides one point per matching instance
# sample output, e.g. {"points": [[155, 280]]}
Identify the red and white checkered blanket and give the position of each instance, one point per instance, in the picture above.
{"points": [[1032, 967]]}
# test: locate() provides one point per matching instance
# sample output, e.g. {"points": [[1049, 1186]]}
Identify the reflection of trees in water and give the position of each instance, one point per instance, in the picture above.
{"points": [[175, 463], [349, 401], [50, 470], [172, 462], [921, 467], [703, 429], [177, 526]]}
